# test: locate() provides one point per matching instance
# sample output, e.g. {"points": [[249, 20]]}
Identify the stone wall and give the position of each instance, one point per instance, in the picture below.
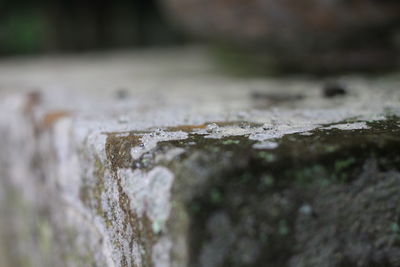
{"points": [[132, 163]]}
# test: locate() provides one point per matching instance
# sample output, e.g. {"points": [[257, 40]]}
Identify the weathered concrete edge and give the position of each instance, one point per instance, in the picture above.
{"points": [[69, 159]]}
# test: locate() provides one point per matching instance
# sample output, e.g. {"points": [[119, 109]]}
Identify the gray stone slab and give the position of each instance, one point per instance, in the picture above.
{"points": [[157, 159]]}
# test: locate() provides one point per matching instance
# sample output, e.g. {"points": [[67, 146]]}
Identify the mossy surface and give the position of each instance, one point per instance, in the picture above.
{"points": [[261, 197], [271, 207]]}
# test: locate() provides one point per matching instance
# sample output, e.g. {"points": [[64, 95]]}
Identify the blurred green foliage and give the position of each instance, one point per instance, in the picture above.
{"points": [[62, 25], [22, 33]]}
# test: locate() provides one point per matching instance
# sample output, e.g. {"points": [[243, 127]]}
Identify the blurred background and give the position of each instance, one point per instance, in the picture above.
{"points": [[316, 36], [48, 26]]}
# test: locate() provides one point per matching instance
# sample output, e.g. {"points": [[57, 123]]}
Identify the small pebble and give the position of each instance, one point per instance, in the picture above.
{"points": [[334, 89], [121, 93]]}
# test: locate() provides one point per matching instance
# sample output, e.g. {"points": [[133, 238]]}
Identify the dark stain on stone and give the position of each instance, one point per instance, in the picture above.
{"points": [[118, 155], [118, 149], [186, 128], [276, 98], [122, 93], [334, 89], [33, 99]]}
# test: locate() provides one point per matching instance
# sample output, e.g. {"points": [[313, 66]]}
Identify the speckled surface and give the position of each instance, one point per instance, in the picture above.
{"points": [[87, 179]]}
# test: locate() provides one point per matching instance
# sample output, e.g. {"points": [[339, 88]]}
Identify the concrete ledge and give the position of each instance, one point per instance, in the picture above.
{"points": [[193, 168]]}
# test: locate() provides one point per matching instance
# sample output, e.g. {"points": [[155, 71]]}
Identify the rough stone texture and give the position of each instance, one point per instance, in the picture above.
{"points": [[148, 159]]}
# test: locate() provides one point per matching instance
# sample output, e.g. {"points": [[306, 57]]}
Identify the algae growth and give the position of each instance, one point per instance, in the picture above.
{"points": [[252, 207]]}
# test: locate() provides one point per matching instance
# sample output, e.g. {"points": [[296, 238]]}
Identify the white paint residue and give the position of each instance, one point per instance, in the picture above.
{"points": [[161, 252], [150, 140], [149, 193], [265, 145], [160, 183], [170, 154], [348, 126], [278, 132]]}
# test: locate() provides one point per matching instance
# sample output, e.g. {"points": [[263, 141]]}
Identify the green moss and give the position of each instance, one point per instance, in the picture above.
{"points": [[268, 157], [45, 238], [230, 142], [245, 177], [306, 175], [283, 227], [272, 184], [215, 196], [267, 180], [330, 148], [265, 187], [340, 165], [395, 228]]}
